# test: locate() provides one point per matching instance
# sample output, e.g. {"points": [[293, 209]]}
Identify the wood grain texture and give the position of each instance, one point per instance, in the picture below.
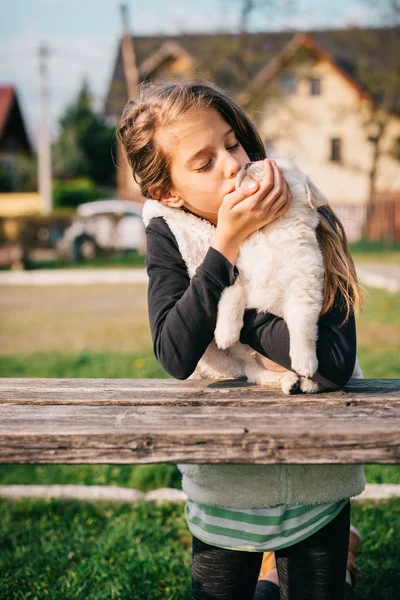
{"points": [[195, 421], [192, 392]]}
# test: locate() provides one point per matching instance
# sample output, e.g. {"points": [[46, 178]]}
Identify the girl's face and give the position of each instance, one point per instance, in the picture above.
{"points": [[205, 157]]}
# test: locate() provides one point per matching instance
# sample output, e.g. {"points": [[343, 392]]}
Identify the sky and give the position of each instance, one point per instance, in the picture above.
{"points": [[83, 35]]}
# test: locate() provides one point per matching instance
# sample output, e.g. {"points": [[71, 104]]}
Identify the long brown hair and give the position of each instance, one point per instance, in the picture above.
{"points": [[159, 104], [339, 270]]}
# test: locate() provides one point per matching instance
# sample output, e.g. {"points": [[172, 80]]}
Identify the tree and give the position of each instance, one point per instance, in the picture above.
{"points": [[244, 54], [85, 146], [19, 175], [387, 11], [378, 71]]}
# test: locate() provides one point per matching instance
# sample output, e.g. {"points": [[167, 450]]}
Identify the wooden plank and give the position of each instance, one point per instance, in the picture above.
{"points": [[200, 434], [226, 421], [147, 392]]}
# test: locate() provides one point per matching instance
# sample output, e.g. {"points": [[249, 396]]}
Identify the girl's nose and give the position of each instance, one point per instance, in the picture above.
{"points": [[232, 166]]}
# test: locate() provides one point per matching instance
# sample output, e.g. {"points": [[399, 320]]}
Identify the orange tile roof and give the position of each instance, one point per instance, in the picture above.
{"points": [[7, 96]]}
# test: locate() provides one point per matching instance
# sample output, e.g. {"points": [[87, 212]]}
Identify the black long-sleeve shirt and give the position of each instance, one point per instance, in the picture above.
{"points": [[183, 314]]}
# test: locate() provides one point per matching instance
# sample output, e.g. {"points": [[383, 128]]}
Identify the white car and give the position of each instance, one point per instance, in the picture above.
{"points": [[109, 225]]}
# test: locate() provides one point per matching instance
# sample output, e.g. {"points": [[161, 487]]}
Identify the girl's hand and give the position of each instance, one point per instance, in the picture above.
{"points": [[247, 209]]}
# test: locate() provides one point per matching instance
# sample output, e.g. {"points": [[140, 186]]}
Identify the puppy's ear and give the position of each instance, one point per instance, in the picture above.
{"points": [[314, 196]]}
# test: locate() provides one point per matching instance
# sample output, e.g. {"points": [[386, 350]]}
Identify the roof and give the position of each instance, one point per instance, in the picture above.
{"points": [[219, 56], [278, 63], [7, 95], [13, 134]]}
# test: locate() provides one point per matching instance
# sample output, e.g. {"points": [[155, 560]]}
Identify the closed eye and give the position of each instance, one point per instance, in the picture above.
{"points": [[233, 148]]}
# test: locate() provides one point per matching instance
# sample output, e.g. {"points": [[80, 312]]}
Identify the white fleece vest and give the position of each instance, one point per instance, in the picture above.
{"points": [[244, 486]]}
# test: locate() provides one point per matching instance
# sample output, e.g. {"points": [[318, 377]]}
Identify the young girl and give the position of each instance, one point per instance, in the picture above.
{"points": [[185, 142]]}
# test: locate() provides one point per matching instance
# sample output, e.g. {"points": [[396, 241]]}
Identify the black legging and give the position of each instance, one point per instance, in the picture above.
{"points": [[313, 569]]}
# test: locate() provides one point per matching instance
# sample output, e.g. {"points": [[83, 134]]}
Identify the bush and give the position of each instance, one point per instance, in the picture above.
{"points": [[19, 174], [71, 193]]}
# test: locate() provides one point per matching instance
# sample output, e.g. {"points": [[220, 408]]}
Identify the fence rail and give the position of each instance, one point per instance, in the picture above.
{"points": [[379, 221], [195, 421]]}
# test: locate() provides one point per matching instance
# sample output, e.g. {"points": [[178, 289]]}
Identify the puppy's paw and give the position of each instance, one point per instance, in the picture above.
{"points": [[290, 384], [226, 335], [308, 386], [305, 364]]}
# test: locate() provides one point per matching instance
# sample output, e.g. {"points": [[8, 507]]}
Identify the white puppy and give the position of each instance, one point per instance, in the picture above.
{"points": [[281, 270]]}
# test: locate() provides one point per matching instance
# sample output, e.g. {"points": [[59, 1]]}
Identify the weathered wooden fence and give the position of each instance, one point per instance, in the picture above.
{"points": [[196, 421], [379, 221]]}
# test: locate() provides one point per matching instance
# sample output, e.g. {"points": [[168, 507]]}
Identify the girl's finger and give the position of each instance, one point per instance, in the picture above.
{"points": [[279, 192], [269, 172], [279, 180], [268, 181], [249, 188], [283, 207], [283, 197]]}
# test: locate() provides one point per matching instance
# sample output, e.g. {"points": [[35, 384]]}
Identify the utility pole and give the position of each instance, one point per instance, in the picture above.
{"points": [[44, 135], [124, 172]]}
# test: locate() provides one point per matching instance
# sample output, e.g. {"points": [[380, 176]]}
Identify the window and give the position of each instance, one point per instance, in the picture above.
{"points": [[315, 86], [336, 150], [288, 84]]}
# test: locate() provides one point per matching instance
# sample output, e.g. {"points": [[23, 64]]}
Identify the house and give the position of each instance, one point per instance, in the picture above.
{"points": [[14, 145], [322, 98], [14, 139]]}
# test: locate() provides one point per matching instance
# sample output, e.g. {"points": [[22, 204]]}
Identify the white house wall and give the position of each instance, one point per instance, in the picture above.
{"points": [[301, 127]]}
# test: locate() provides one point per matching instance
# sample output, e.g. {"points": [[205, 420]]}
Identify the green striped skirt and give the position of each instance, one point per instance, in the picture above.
{"points": [[258, 529]]}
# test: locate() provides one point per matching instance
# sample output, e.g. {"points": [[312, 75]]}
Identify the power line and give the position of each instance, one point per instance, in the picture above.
{"points": [[31, 53], [20, 54], [77, 55]]}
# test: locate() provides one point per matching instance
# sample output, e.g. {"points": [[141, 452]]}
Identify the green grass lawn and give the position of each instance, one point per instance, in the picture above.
{"points": [[64, 550], [379, 251], [121, 365], [103, 331], [378, 334], [71, 550], [127, 260]]}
